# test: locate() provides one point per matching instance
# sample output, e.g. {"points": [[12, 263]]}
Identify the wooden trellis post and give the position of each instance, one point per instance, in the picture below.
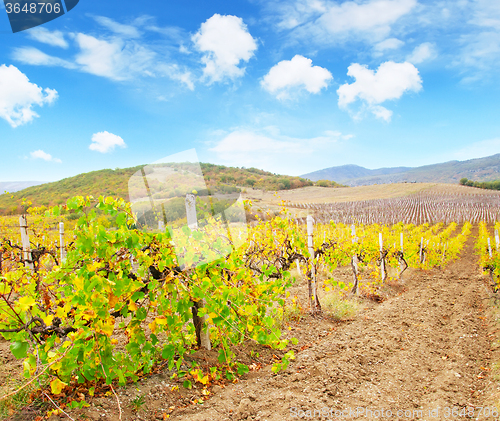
{"points": [[383, 273], [61, 241], [200, 323], [23, 224], [313, 298], [355, 262]]}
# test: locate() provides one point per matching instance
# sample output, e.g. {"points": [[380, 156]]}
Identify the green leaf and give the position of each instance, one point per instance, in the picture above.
{"points": [[187, 384], [168, 352], [242, 369], [141, 313], [222, 356], [19, 349]]}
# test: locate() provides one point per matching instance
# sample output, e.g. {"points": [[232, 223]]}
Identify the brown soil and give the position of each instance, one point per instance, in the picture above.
{"points": [[430, 345]]}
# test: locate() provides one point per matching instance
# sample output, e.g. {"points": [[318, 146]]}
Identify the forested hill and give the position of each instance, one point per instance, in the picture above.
{"points": [[115, 183]]}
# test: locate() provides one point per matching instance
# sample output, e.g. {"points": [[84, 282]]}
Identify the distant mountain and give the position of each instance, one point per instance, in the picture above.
{"points": [[13, 186], [349, 172], [479, 169]]}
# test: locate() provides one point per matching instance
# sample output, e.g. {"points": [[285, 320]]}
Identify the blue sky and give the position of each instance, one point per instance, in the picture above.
{"points": [[287, 86]]}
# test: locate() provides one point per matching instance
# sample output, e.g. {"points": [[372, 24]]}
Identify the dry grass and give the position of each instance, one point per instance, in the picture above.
{"points": [[348, 194], [339, 308]]}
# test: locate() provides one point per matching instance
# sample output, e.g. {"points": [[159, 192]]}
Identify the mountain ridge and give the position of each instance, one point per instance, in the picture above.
{"points": [[477, 169]]}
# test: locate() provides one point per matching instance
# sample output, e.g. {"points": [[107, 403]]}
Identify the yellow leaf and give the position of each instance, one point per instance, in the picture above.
{"points": [[26, 302], [108, 327], [57, 386], [93, 266], [57, 366], [48, 319], [78, 282], [132, 306], [161, 321], [152, 326]]}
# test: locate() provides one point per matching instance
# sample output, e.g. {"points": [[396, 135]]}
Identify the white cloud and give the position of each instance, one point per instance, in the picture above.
{"points": [[175, 73], [127, 31], [54, 38], [241, 142], [267, 148], [478, 57], [106, 142], [119, 56], [295, 13], [18, 96], [114, 59], [387, 44], [478, 149], [381, 112], [295, 73], [35, 57], [39, 154], [226, 42], [389, 82], [480, 54], [372, 17], [424, 52], [329, 22], [486, 13]]}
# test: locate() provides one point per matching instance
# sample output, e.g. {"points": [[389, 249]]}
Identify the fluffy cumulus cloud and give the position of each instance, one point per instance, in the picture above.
{"points": [[295, 73], [39, 154], [105, 142], [18, 96], [389, 82], [424, 52], [54, 38], [225, 42]]}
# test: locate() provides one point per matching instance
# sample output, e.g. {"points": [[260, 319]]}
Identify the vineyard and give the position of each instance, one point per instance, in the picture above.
{"points": [[415, 209], [88, 308]]}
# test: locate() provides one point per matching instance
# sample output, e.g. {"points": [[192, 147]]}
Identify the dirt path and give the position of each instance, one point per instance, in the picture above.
{"points": [[426, 349]]}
